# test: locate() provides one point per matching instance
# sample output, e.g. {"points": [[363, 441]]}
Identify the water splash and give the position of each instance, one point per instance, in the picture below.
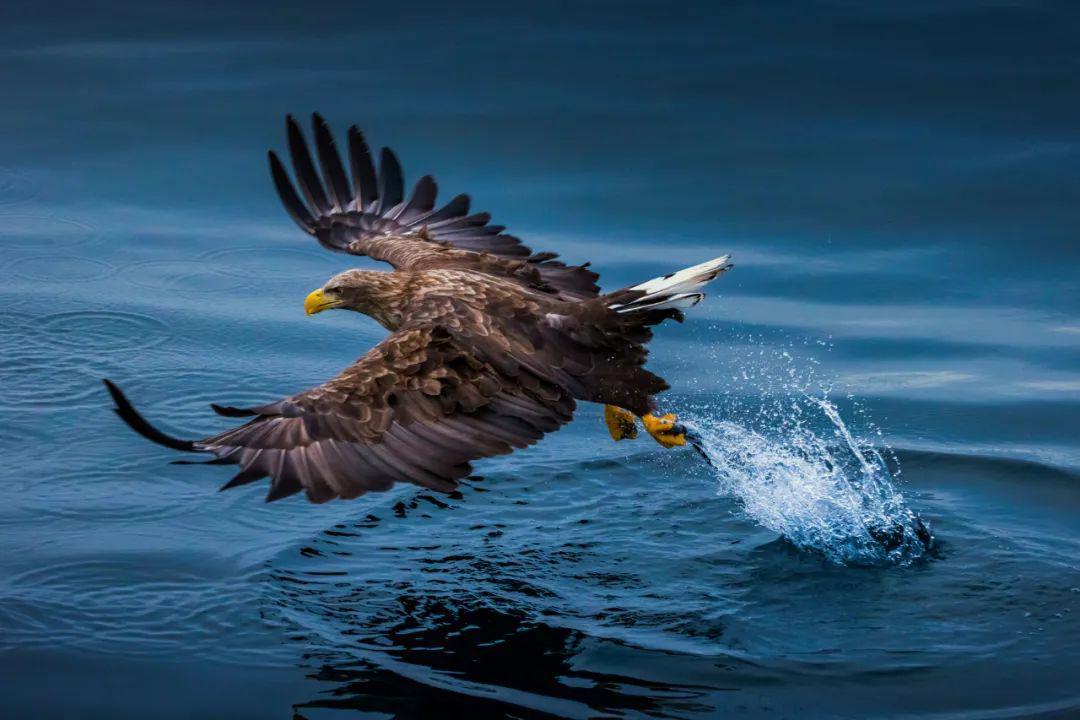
{"points": [[786, 454]]}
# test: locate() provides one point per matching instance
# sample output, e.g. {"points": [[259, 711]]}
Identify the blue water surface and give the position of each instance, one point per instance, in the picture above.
{"points": [[899, 185]]}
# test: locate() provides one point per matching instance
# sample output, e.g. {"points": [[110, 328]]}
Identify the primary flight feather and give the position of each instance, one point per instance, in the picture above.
{"points": [[490, 344]]}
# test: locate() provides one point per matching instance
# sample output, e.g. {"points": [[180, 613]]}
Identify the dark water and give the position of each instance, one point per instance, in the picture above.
{"points": [[899, 187]]}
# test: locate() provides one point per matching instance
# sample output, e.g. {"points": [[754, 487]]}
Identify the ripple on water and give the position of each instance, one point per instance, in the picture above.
{"points": [[101, 331], [273, 262], [136, 604], [111, 490], [188, 277], [65, 269], [43, 233], [56, 361], [182, 398], [34, 378]]}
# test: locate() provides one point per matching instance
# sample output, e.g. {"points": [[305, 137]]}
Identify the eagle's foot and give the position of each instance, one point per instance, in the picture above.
{"points": [[665, 429], [620, 423]]}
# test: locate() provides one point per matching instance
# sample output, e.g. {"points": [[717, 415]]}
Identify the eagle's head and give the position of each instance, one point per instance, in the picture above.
{"points": [[364, 291], [350, 290]]}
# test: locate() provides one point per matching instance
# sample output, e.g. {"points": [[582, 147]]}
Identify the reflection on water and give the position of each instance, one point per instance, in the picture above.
{"points": [[898, 187]]}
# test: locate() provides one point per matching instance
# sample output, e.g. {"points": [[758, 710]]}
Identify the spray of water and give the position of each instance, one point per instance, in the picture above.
{"points": [[796, 468]]}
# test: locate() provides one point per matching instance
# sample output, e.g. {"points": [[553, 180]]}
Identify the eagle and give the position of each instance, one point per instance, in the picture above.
{"points": [[490, 344]]}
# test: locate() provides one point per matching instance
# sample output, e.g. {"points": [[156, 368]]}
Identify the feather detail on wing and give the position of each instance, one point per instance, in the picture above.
{"points": [[418, 408], [371, 216]]}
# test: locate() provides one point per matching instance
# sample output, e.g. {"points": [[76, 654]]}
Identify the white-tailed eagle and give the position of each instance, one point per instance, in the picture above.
{"points": [[490, 344]]}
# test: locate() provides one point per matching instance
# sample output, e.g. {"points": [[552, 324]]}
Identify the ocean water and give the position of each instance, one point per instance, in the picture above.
{"points": [[896, 353]]}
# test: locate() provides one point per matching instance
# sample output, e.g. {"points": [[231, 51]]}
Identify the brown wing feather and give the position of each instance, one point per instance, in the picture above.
{"points": [[595, 354], [419, 407], [585, 347], [372, 217]]}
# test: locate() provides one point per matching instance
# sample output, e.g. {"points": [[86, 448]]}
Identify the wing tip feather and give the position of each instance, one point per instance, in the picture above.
{"points": [[127, 412], [294, 206]]}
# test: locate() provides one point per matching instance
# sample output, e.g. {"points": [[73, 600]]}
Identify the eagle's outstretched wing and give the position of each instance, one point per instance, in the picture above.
{"points": [[418, 407], [370, 215]]}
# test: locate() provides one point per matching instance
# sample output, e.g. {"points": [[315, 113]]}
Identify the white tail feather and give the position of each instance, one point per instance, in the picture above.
{"points": [[682, 300], [677, 290]]}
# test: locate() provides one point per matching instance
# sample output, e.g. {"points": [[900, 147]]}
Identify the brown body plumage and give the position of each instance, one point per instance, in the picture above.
{"points": [[490, 344]]}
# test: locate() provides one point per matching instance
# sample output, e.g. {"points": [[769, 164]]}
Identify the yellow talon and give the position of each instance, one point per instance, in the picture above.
{"points": [[620, 423], [664, 430]]}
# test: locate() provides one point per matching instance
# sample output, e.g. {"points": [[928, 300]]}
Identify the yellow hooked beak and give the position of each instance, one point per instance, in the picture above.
{"points": [[318, 301]]}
